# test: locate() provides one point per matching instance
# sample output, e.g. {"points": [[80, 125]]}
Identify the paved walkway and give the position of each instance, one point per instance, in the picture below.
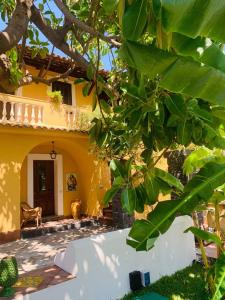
{"points": [[39, 252], [47, 276]]}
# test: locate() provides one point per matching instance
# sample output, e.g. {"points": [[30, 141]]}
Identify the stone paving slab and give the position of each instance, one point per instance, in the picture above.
{"points": [[51, 276], [35, 253]]}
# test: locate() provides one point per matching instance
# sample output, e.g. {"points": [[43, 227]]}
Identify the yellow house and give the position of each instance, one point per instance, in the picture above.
{"points": [[31, 127]]}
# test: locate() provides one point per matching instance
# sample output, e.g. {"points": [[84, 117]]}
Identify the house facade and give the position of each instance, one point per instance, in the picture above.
{"points": [[31, 127]]}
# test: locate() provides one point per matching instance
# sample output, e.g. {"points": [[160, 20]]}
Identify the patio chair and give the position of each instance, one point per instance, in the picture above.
{"points": [[28, 213]]}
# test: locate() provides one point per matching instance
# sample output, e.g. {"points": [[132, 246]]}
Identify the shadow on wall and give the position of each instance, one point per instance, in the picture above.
{"points": [[100, 183], [109, 258], [9, 196]]}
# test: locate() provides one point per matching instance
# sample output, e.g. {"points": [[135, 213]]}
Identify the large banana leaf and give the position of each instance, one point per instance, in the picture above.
{"points": [[177, 74], [192, 17], [135, 19], [144, 232], [200, 49], [204, 235], [220, 277]]}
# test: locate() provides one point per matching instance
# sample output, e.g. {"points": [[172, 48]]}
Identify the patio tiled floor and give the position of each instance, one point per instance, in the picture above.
{"points": [[51, 276], [35, 253]]}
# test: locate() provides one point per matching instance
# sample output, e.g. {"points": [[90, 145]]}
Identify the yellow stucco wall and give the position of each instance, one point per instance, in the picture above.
{"points": [[39, 91], [16, 143]]}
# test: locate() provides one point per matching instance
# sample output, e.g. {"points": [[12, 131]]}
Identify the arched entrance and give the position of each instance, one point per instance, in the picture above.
{"points": [[44, 181]]}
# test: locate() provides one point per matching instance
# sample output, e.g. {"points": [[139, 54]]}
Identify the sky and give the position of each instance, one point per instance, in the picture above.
{"points": [[106, 60]]}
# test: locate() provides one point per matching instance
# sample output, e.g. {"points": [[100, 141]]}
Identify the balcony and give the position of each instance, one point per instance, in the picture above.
{"points": [[25, 112]]}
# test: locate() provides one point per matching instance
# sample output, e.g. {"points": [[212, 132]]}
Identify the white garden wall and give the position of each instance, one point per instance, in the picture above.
{"points": [[102, 263]]}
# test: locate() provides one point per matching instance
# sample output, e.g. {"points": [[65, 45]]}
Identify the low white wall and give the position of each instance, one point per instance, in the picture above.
{"points": [[102, 263]]}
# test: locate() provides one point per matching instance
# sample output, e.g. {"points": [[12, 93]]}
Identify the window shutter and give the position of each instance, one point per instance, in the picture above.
{"points": [[66, 91]]}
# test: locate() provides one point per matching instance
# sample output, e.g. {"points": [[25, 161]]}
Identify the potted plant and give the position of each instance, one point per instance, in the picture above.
{"points": [[8, 275], [55, 98]]}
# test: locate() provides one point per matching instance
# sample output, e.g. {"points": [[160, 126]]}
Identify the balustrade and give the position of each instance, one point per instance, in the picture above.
{"points": [[77, 119], [34, 113], [16, 113]]}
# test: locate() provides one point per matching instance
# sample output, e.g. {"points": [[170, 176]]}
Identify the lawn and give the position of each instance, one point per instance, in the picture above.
{"points": [[187, 284]]}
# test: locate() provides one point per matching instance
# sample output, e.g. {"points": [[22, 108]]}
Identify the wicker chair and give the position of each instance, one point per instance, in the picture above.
{"points": [[29, 213]]}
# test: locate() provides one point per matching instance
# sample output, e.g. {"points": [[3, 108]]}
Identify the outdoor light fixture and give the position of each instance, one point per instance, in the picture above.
{"points": [[53, 153]]}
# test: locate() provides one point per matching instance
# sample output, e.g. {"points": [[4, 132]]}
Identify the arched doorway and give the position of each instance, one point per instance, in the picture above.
{"points": [[44, 180]]}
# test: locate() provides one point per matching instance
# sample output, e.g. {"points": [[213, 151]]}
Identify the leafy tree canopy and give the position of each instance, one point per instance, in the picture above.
{"points": [[166, 90]]}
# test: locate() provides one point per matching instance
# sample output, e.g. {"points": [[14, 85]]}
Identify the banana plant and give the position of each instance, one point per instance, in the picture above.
{"points": [[171, 95]]}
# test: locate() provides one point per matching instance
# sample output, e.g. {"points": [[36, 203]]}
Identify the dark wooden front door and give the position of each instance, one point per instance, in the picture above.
{"points": [[44, 186]]}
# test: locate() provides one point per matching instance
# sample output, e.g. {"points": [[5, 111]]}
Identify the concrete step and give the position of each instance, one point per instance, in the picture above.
{"points": [[108, 221], [27, 233], [107, 212]]}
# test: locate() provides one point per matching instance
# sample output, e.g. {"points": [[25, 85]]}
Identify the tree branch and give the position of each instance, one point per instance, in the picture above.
{"points": [[57, 39], [84, 27], [29, 79], [17, 26]]}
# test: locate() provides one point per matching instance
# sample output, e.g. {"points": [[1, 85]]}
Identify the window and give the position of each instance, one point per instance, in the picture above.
{"points": [[66, 91]]}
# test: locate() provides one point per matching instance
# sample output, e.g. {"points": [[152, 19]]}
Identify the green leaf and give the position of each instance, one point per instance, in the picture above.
{"points": [[193, 18], [196, 160], [184, 132], [168, 178], [102, 138], [128, 200], [105, 106], [94, 101], [217, 197], [148, 141], [142, 198], [178, 74], [175, 105], [90, 72], [135, 19], [219, 277], [201, 187], [204, 235], [201, 49], [86, 89], [109, 6], [120, 168], [144, 233], [110, 194], [121, 8], [219, 112], [164, 187], [208, 178], [162, 208], [138, 236], [152, 188]]}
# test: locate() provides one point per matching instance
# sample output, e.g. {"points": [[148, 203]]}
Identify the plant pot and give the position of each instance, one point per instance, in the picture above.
{"points": [[75, 209], [8, 275]]}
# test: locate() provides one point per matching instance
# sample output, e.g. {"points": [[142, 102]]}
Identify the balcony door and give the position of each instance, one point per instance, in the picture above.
{"points": [[44, 186]]}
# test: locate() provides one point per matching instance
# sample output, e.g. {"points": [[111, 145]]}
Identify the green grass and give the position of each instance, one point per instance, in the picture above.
{"points": [[187, 284]]}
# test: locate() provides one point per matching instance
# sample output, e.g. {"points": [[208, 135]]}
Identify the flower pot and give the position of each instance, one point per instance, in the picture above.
{"points": [[75, 209]]}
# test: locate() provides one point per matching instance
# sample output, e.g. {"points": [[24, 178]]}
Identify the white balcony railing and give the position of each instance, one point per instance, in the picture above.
{"points": [[23, 111], [16, 113]]}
